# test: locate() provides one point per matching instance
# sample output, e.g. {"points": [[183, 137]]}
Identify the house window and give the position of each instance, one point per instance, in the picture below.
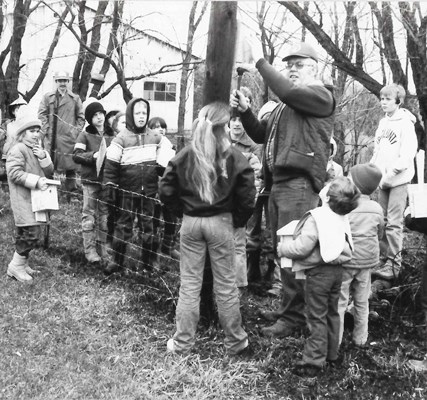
{"points": [[160, 91]]}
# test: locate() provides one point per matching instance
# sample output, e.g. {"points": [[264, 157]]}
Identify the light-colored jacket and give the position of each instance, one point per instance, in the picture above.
{"points": [[70, 122], [24, 170], [395, 148], [367, 228], [321, 237]]}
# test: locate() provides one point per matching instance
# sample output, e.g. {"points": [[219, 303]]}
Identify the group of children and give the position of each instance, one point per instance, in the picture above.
{"points": [[118, 154], [211, 185]]}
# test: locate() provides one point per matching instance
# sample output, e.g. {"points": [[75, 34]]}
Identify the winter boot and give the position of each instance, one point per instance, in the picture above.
{"points": [[16, 268], [90, 247], [254, 272], [28, 269], [116, 265]]}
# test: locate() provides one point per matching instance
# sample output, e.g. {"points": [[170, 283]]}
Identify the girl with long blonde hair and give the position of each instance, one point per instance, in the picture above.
{"points": [[211, 185]]}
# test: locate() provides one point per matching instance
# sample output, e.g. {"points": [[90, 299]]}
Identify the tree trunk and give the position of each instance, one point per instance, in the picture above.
{"points": [[219, 66]]}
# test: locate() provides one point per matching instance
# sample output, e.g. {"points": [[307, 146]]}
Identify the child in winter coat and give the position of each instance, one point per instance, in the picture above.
{"points": [[211, 184], [89, 151], [394, 153], [132, 173], [322, 242], [367, 228], [27, 166]]}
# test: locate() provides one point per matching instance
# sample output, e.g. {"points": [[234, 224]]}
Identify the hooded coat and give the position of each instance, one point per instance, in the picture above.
{"points": [[395, 148], [131, 161]]}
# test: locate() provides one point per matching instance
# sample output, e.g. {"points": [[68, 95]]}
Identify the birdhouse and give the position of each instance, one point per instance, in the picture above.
{"points": [[45, 200], [285, 235]]}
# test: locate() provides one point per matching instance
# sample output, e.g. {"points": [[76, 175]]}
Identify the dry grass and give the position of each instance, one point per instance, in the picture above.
{"points": [[74, 334]]}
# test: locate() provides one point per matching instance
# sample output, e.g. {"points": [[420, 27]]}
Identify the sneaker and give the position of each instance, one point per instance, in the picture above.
{"points": [[111, 268], [306, 370], [385, 271], [170, 346], [417, 365]]}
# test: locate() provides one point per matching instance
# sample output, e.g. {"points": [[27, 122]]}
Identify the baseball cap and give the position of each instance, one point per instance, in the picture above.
{"points": [[302, 50]]}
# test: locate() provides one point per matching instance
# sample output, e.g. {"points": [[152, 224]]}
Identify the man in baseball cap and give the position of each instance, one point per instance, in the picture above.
{"points": [[303, 50]]}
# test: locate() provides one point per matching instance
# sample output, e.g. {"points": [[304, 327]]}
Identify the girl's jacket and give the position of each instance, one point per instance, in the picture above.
{"points": [[24, 170]]}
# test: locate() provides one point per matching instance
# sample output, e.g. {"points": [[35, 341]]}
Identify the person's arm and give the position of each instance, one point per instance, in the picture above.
{"points": [[43, 115], [80, 153], [15, 167], [112, 163], [244, 193], [313, 99], [408, 149], [169, 190], [303, 244], [80, 116], [254, 128]]}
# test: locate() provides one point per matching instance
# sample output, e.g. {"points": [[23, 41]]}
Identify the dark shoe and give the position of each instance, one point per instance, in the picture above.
{"points": [[111, 268], [271, 316], [278, 330], [306, 370], [246, 353]]}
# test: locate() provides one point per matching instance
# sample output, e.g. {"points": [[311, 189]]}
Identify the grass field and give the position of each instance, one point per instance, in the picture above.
{"points": [[75, 334]]}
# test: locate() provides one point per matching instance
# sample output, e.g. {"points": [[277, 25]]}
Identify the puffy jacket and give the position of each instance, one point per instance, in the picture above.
{"points": [[395, 148], [367, 228], [305, 125], [87, 144], [131, 157], [235, 191], [24, 170]]}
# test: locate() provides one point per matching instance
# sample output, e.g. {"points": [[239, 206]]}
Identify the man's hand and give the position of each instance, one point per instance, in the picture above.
{"points": [[42, 184], [238, 100], [95, 155]]}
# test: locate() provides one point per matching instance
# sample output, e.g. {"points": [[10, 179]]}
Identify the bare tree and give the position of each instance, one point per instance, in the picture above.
{"points": [[193, 23]]}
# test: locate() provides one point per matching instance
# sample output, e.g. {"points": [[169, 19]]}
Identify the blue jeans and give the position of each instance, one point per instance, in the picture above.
{"points": [[290, 200], [358, 282], [322, 292], [240, 257], [214, 234], [393, 203]]}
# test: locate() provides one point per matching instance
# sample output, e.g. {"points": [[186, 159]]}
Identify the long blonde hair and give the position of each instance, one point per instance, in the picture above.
{"points": [[209, 144]]}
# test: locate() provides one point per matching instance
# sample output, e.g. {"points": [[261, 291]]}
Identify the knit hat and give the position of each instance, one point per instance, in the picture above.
{"points": [[303, 50], [366, 177], [92, 109], [25, 122], [266, 108]]}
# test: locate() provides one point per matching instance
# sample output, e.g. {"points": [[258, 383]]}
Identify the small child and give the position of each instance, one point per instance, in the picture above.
{"points": [[367, 228], [89, 151], [132, 167], [27, 166], [322, 242]]}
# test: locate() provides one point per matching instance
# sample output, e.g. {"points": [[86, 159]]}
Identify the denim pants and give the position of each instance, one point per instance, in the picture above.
{"points": [[95, 210], [214, 234], [356, 281], [240, 257], [322, 292], [393, 203], [27, 238], [290, 200]]}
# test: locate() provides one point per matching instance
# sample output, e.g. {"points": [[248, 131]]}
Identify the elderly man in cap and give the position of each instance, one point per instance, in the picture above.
{"points": [[62, 117], [297, 146]]}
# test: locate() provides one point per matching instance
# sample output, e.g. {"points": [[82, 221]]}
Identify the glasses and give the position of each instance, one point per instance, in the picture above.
{"points": [[297, 64]]}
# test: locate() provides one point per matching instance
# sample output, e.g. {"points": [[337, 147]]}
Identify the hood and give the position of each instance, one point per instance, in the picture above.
{"points": [[130, 123], [402, 113]]}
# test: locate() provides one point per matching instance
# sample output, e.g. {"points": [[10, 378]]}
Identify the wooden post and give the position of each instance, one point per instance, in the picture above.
{"points": [[220, 51], [219, 68]]}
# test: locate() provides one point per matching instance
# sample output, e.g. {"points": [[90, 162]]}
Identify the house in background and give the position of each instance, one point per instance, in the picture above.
{"points": [[143, 54]]}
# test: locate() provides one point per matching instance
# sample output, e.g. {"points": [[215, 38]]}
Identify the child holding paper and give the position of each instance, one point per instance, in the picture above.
{"points": [[322, 242], [27, 166]]}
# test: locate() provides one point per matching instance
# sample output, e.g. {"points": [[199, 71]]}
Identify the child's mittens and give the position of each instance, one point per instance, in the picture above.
{"points": [[42, 184]]}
